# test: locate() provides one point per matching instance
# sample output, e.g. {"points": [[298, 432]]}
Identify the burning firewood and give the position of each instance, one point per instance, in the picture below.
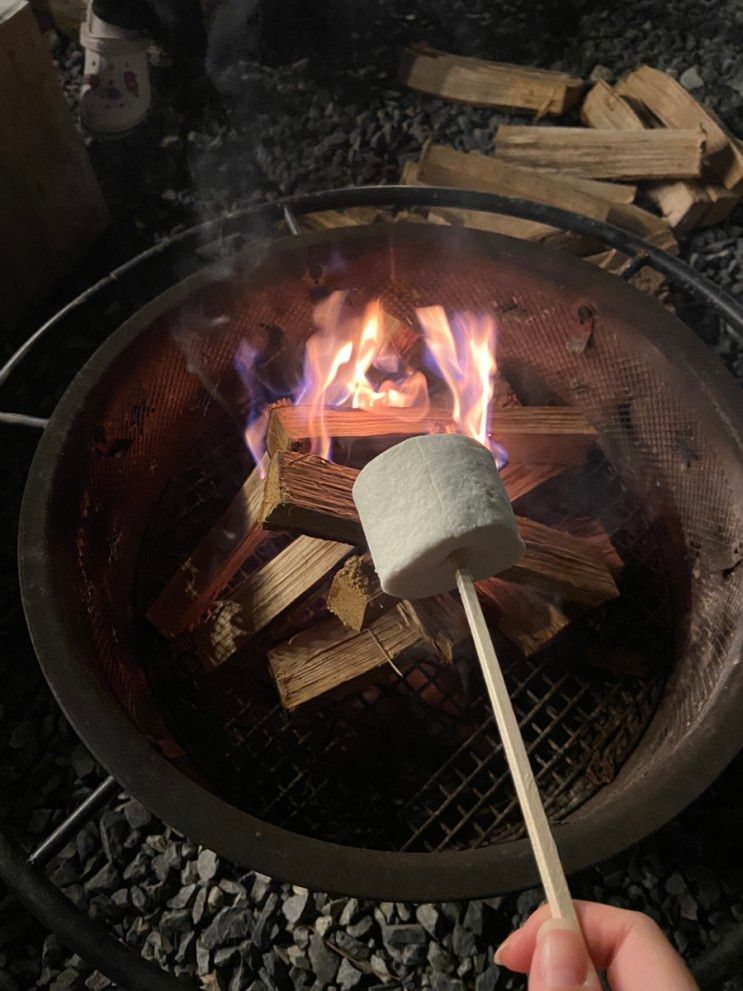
{"points": [[605, 154], [306, 494], [288, 577], [675, 107], [555, 435], [330, 659], [231, 541], [526, 617], [488, 84]]}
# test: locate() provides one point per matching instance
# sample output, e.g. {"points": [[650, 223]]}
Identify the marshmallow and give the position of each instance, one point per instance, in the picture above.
{"points": [[427, 498]]}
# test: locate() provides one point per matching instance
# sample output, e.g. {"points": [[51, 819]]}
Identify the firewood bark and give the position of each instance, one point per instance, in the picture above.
{"points": [[309, 495], [288, 577], [605, 153], [223, 550], [549, 435], [675, 107], [488, 84], [442, 166], [329, 659], [527, 618]]}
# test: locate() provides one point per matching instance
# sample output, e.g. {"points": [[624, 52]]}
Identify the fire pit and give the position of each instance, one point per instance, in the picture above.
{"points": [[398, 788]]}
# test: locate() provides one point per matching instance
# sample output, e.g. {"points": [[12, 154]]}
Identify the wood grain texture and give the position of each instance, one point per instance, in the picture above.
{"points": [[315, 497], [674, 106], [443, 166], [355, 595], [51, 206], [527, 618], [222, 551], [329, 658], [284, 580], [488, 84], [605, 153], [685, 205], [547, 435]]}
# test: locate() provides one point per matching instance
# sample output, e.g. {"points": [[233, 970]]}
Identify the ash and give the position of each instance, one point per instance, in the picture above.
{"points": [[314, 105]]}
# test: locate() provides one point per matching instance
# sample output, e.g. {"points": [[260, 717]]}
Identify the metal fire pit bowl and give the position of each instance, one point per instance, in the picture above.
{"points": [[401, 791]]}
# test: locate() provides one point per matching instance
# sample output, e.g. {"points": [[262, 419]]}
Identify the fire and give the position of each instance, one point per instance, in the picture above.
{"points": [[351, 361]]}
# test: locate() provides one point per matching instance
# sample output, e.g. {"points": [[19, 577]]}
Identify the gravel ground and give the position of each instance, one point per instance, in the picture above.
{"points": [[287, 122]]}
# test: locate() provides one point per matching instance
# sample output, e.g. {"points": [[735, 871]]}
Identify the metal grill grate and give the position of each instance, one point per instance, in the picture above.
{"points": [[414, 763]]}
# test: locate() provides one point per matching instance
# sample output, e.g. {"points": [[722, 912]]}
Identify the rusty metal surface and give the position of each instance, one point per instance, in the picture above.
{"points": [[138, 490]]}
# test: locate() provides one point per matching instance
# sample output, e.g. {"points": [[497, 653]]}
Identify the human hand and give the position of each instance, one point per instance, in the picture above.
{"points": [[629, 946]]}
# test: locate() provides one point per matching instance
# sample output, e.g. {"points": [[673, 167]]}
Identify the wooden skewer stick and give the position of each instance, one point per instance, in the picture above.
{"points": [[542, 841]]}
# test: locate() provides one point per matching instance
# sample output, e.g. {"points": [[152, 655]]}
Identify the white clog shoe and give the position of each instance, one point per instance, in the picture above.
{"points": [[116, 93]]}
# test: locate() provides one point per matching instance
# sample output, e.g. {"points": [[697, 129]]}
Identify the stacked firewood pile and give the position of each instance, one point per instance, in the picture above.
{"points": [[310, 591], [650, 158]]}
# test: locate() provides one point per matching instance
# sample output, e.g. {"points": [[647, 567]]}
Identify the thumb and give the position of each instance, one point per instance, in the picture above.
{"points": [[560, 961]]}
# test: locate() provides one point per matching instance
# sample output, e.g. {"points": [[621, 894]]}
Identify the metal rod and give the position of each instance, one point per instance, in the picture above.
{"points": [[21, 420], [77, 931], [676, 271], [291, 221], [74, 822]]}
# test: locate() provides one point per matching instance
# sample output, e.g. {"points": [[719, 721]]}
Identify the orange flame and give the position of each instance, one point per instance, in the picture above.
{"points": [[464, 354], [340, 358], [351, 361]]}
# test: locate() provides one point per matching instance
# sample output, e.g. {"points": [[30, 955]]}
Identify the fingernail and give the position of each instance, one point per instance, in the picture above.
{"points": [[498, 953], [560, 957]]}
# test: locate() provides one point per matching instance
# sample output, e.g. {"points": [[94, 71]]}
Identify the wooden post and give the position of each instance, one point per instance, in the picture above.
{"points": [[51, 206]]}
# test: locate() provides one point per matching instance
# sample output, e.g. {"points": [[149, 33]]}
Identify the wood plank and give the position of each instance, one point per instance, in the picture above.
{"points": [[442, 166], [560, 564], [329, 659], [306, 494], [284, 580], [223, 550], [527, 618], [51, 205], [488, 84], [684, 205], [552, 435], [496, 223], [675, 107], [605, 153], [612, 192], [442, 624]]}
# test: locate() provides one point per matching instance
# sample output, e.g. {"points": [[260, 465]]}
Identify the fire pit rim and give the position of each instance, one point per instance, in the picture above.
{"points": [[319, 864]]}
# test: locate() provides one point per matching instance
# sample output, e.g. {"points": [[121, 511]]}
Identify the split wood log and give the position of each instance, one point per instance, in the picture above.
{"points": [[284, 580], [488, 84], [496, 223], [425, 172], [605, 153], [548, 435], [306, 494], [442, 166], [684, 205], [330, 659], [351, 217], [527, 618], [646, 279], [651, 228], [355, 595], [674, 106], [223, 550], [442, 624]]}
